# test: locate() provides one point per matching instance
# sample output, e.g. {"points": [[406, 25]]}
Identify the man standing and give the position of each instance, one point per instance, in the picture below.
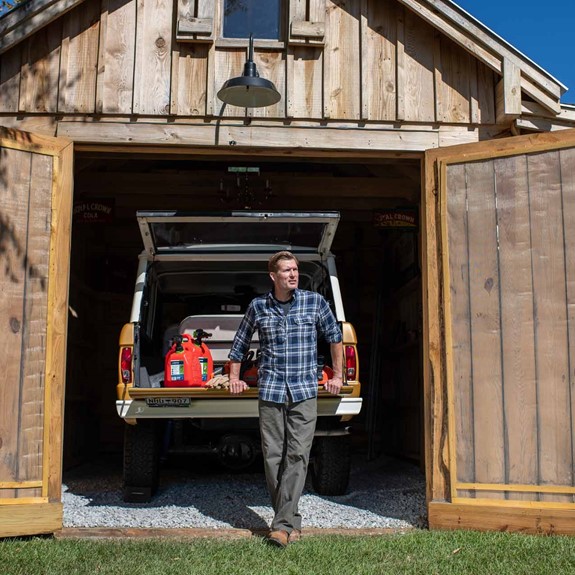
{"points": [[287, 320]]}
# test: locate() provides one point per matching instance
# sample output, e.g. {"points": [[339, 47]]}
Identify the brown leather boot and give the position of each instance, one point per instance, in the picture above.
{"points": [[278, 538]]}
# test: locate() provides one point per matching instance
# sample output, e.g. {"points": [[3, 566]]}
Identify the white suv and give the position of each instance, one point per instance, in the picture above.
{"points": [[200, 271]]}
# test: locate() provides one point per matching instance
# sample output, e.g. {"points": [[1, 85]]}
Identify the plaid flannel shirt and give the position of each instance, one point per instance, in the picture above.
{"points": [[288, 343]]}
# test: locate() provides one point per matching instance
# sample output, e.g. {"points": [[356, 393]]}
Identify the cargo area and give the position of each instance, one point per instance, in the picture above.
{"points": [[377, 249]]}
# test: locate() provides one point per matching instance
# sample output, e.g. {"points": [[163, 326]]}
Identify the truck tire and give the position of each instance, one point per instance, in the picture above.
{"points": [[141, 461], [331, 464]]}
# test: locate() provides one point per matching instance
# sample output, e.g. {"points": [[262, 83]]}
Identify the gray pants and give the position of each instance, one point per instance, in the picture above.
{"points": [[287, 434]]}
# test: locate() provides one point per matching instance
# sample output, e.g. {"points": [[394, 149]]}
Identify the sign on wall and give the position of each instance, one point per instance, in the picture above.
{"points": [[94, 211]]}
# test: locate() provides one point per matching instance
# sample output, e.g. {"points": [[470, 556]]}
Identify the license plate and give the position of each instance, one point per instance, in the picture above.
{"points": [[168, 401]]}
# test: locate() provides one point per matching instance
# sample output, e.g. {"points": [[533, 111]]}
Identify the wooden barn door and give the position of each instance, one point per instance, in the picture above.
{"points": [[500, 376], [35, 219]]}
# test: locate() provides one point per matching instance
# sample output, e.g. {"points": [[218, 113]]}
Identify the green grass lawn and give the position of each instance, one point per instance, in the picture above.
{"points": [[418, 552]]}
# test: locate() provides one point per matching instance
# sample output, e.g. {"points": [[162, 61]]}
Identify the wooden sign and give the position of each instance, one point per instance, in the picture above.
{"points": [[93, 211], [397, 218]]}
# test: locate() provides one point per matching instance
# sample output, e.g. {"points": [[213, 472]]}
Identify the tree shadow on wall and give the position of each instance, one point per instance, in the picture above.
{"points": [[13, 246]]}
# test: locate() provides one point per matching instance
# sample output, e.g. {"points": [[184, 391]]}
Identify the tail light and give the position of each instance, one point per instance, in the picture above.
{"points": [[350, 362], [126, 364]]}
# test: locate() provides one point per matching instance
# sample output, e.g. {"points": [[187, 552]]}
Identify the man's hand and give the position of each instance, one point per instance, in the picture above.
{"points": [[238, 386], [333, 385]]}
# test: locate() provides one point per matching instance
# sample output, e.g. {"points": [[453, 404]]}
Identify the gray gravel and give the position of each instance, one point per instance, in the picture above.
{"points": [[382, 493]]}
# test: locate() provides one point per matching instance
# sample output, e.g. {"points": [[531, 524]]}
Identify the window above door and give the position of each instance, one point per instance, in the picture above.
{"points": [[262, 18]]}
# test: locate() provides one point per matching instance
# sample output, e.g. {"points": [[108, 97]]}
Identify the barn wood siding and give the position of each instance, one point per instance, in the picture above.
{"points": [[378, 61], [510, 238]]}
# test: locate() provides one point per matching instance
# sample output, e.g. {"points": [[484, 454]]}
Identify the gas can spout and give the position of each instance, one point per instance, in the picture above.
{"points": [[199, 335]]}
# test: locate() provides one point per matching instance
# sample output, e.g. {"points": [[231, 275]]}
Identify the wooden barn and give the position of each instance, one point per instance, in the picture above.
{"points": [[391, 111]]}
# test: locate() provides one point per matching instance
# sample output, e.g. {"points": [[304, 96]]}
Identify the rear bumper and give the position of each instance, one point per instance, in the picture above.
{"points": [[234, 407]]}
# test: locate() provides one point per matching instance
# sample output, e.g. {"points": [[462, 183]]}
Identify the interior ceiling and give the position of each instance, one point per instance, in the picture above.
{"points": [[176, 182]]}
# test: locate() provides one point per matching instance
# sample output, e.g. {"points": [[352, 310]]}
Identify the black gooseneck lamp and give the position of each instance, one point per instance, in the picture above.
{"points": [[249, 90]]}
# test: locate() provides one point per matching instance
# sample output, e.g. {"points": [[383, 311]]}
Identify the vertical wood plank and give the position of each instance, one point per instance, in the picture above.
{"points": [[380, 87], [115, 84], [453, 92], [486, 94], [461, 364], [550, 302], [474, 112], [401, 64], [229, 63], [567, 163], [40, 67], [79, 59], [271, 65], [342, 59], [419, 69], [153, 57], [304, 82], [14, 198], [485, 315], [59, 272], [189, 79], [32, 399], [10, 74], [520, 385]]}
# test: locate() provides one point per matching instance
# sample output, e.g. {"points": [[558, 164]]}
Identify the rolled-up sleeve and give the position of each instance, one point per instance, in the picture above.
{"points": [[243, 337], [327, 323]]}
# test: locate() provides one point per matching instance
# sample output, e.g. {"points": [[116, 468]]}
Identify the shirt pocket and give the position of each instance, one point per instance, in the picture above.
{"points": [[304, 325]]}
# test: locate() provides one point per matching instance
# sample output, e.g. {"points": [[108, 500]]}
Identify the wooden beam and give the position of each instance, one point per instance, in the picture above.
{"points": [[194, 26], [508, 94], [307, 29], [541, 125], [542, 520], [29, 18], [30, 519], [226, 136]]}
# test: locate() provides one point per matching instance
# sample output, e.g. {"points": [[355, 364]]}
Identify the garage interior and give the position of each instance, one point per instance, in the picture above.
{"points": [[379, 271]]}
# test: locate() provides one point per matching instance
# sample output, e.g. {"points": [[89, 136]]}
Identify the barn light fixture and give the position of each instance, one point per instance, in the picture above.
{"points": [[249, 90]]}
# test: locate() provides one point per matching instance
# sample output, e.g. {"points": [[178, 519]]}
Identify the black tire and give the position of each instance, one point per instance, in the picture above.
{"points": [[141, 460], [331, 464]]}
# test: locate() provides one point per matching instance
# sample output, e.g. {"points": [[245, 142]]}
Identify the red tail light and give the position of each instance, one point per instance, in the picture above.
{"points": [[350, 362], [126, 364]]}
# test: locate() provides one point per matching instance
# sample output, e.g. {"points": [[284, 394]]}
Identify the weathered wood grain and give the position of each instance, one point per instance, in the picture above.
{"points": [[10, 77], [342, 80], [79, 59], [40, 70], [567, 166], [518, 325], [14, 197], [116, 57], [153, 64], [304, 77], [32, 399], [551, 330], [458, 327], [418, 71]]}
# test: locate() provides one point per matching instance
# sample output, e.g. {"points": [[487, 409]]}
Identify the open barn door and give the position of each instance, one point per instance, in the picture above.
{"points": [[500, 369], [35, 219]]}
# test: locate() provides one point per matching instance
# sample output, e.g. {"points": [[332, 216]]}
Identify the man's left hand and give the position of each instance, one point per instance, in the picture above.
{"points": [[333, 385]]}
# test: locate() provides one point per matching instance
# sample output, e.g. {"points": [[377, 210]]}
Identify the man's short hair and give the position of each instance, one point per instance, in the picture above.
{"points": [[274, 261]]}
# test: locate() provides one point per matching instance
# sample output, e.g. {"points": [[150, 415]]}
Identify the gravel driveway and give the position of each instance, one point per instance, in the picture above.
{"points": [[382, 493]]}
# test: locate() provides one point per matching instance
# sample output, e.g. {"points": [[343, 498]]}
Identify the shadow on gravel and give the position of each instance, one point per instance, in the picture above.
{"points": [[197, 493]]}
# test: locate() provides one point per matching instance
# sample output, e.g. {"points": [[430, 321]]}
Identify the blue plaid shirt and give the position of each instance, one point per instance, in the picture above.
{"points": [[288, 343]]}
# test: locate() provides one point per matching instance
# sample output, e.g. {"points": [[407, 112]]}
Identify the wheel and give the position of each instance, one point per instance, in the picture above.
{"points": [[141, 460], [330, 464]]}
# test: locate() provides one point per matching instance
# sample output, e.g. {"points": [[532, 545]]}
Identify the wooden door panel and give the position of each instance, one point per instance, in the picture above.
{"points": [[35, 214]]}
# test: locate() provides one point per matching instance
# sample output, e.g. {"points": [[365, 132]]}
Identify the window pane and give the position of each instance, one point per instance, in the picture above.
{"points": [[258, 17]]}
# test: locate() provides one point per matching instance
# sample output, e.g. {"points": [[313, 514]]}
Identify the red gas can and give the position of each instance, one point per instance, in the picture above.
{"points": [[189, 362]]}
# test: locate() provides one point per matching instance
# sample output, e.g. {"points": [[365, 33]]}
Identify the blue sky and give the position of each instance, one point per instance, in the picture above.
{"points": [[543, 31]]}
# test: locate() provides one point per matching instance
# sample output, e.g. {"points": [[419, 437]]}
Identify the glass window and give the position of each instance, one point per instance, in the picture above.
{"points": [[258, 17]]}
